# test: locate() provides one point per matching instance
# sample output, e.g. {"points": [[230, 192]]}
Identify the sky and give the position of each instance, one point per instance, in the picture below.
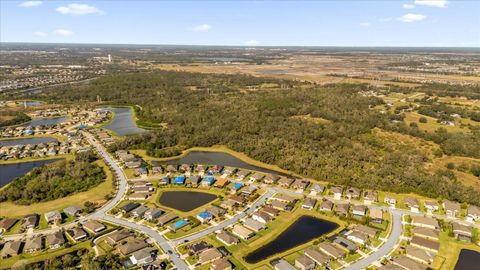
{"points": [[426, 23]]}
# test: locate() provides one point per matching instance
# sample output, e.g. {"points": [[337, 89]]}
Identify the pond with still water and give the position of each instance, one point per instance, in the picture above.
{"points": [[185, 201], [26, 141], [122, 123], [468, 260], [10, 171], [303, 230]]}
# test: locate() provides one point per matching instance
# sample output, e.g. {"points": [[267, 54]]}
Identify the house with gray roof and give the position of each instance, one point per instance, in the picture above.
{"points": [[73, 210]]}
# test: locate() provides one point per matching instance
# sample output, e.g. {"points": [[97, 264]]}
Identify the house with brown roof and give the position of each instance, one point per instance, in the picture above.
{"points": [[425, 244], [227, 238], [77, 234], [342, 209], [271, 178], [221, 264], [304, 263], [166, 218], [376, 215], [11, 248], [316, 256], [132, 246], [284, 198], [391, 201], [279, 205], [301, 184], [370, 197], [33, 244], [271, 211], [353, 193], [326, 205], [7, 223], [253, 224], [216, 211], [93, 226], [285, 182], [331, 250], [336, 191], [419, 255], [462, 232], [30, 221], [412, 203], [242, 232], [451, 208], [237, 199], [359, 211], [257, 176], [309, 203], [366, 230], [408, 264], [428, 233], [209, 255], [55, 240], [197, 248], [116, 237], [425, 222], [431, 206], [221, 182]]}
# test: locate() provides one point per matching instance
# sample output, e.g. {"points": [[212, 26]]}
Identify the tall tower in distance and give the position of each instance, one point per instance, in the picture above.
{"points": [[109, 58]]}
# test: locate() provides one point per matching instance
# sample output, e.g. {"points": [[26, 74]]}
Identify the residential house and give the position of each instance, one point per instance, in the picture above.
{"points": [[132, 246], [197, 248], [273, 212], [204, 217], [73, 210], [257, 176], [462, 232], [315, 255], [370, 197], [342, 209], [229, 170], [242, 232], [371, 232], [353, 193], [215, 169], [280, 205], [262, 217], [473, 213], [93, 226], [304, 263], [208, 181], [77, 234], [171, 168], [209, 255], [216, 211], [164, 181], [331, 250], [193, 180], [248, 190], [201, 168], [166, 218], [129, 207], [253, 224], [431, 206], [138, 196], [156, 168], [428, 233], [317, 189], [391, 201], [142, 256], [186, 168], [419, 255], [284, 198], [285, 182], [412, 203], [139, 211], [30, 221], [425, 244], [53, 217], [451, 208], [179, 180], [178, 225], [143, 189], [229, 205], [55, 240], [376, 215], [141, 171], [345, 243], [237, 199], [271, 179], [227, 238], [221, 264], [336, 191], [359, 211], [425, 222], [153, 213], [11, 248], [242, 174], [301, 184], [309, 203], [281, 264], [358, 237], [115, 237], [33, 244], [326, 205], [7, 223], [221, 182], [408, 264]]}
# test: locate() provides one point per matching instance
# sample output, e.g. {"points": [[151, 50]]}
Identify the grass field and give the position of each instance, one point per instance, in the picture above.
{"points": [[431, 125], [96, 194], [449, 251]]}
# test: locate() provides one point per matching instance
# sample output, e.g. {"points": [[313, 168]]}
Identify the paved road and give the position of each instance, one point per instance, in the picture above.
{"points": [[386, 248], [228, 222]]}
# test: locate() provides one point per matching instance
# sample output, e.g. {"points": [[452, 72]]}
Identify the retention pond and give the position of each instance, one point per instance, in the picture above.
{"points": [[185, 201]]}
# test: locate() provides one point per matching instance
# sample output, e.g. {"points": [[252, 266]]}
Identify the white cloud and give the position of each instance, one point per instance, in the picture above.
{"points": [[28, 4], [432, 3], [252, 42], [40, 34], [202, 27], [412, 17], [365, 24], [63, 32], [408, 6], [78, 9]]}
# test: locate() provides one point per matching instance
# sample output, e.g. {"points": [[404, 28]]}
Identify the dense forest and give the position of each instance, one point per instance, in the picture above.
{"points": [[55, 180], [324, 132]]}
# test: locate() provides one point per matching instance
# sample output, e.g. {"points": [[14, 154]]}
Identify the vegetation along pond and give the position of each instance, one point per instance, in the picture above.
{"points": [[305, 229], [10, 171], [468, 260], [122, 123], [185, 200], [26, 141], [218, 158]]}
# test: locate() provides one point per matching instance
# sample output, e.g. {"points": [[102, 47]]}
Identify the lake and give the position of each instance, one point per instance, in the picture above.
{"points": [[10, 171], [468, 260], [303, 230], [45, 121], [122, 123], [185, 201], [26, 141], [219, 158]]}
